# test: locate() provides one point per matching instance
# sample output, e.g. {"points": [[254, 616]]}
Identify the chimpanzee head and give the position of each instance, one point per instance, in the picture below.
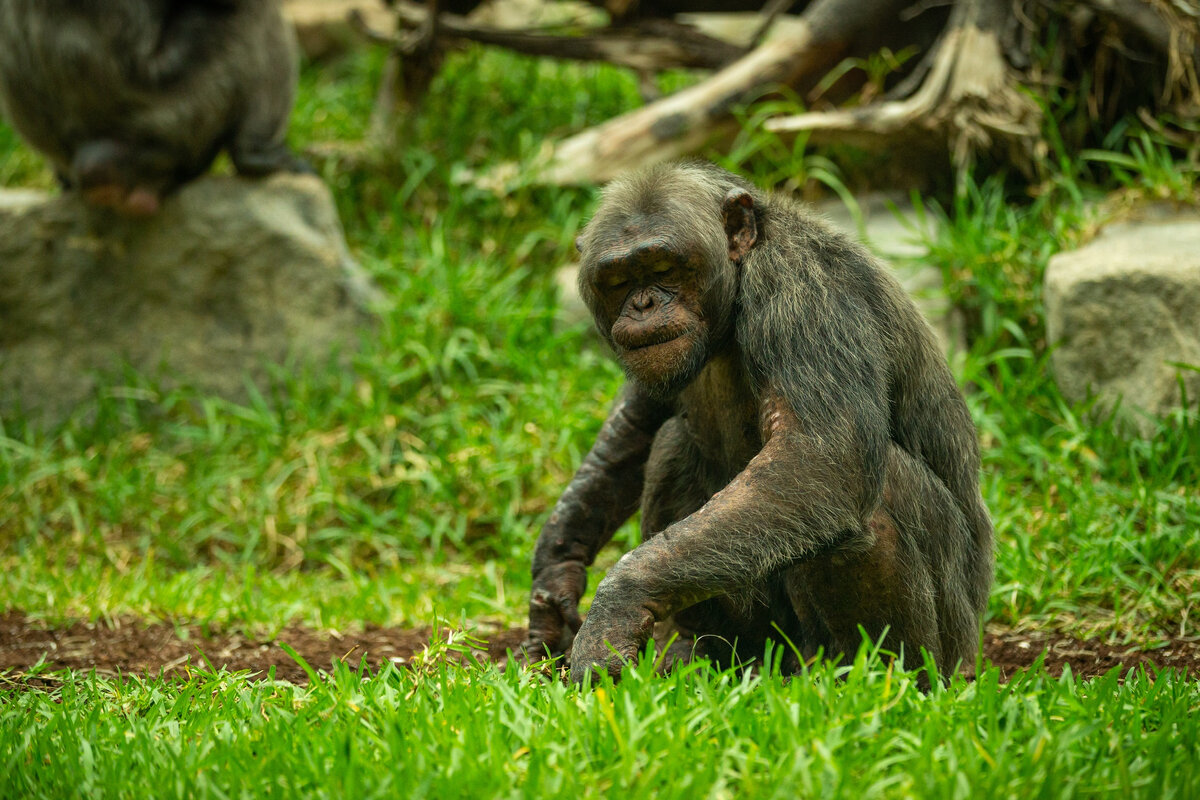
{"points": [[661, 262]]}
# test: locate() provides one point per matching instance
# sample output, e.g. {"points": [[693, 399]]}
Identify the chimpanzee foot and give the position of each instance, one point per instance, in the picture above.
{"points": [[136, 202], [256, 164]]}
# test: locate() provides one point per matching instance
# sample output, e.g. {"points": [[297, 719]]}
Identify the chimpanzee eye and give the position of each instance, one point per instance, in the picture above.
{"points": [[661, 267], [616, 282]]}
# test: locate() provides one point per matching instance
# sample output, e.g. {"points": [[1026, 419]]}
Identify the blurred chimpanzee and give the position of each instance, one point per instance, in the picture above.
{"points": [[131, 98], [803, 459]]}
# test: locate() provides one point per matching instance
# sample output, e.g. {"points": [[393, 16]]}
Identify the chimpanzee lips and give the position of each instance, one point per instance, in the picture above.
{"points": [[653, 340], [632, 336]]}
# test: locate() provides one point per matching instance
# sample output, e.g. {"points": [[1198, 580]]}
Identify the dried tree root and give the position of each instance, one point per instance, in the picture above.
{"points": [[413, 60], [1171, 28], [968, 94], [965, 91]]}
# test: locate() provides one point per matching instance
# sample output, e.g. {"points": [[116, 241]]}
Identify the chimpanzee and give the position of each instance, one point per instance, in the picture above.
{"points": [[804, 462], [131, 98]]}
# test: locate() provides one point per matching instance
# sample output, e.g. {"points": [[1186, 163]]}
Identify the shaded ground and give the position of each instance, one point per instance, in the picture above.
{"points": [[129, 646]]}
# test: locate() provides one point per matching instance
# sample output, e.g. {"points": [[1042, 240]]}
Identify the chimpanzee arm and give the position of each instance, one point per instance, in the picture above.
{"points": [[603, 494], [795, 498]]}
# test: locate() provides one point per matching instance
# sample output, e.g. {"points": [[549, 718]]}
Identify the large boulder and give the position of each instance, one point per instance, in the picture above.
{"points": [[1125, 309], [230, 276]]}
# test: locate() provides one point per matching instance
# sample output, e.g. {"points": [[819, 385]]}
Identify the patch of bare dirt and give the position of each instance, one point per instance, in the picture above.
{"points": [[1012, 651], [130, 646]]}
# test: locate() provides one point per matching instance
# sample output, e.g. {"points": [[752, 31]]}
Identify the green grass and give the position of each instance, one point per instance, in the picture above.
{"points": [[414, 486], [448, 731]]}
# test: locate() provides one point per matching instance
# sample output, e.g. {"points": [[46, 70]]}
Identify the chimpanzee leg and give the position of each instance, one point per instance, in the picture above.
{"points": [[678, 479], [675, 479], [259, 145], [884, 581]]}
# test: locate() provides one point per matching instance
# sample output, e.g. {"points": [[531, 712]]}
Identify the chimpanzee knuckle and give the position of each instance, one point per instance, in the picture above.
{"points": [[593, 654], [582, 673], [583, 654], [591, 672], [544, 629], [535, 649], [597, 655], [621, 587]]}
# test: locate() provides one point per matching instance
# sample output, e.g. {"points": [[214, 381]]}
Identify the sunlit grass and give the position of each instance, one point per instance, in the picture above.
{"points": [[441, 730]]}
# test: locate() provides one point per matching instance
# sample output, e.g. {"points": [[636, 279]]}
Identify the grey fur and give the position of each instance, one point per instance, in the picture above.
{"points": [[815, 470]]}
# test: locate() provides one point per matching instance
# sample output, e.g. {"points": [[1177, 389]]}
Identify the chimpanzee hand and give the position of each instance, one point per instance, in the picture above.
{"points": [[616, 629], [554, 609]]}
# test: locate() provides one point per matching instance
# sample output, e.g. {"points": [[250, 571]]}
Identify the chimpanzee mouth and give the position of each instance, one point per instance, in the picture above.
{"points": [[632, 340], [653, 341]]}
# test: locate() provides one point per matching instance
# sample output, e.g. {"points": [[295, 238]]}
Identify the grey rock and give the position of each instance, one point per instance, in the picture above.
{"points": [[1124, 309], [230, 276]]}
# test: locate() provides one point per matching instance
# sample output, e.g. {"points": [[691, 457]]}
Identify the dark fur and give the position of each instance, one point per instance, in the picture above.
{"points": [[127, 95], [807, 462]]}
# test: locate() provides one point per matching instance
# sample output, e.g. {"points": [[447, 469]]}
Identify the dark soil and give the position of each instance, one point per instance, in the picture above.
{"points": [[1012, 651], [130, 646]]}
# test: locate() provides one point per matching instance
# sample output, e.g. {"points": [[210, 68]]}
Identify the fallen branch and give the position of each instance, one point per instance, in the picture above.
{"points": [[965, 91], [644, 45], [685, 121]]}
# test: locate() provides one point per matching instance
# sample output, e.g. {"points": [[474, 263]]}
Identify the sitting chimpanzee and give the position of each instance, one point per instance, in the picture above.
{"points": [[803, 459], [130, 99]]}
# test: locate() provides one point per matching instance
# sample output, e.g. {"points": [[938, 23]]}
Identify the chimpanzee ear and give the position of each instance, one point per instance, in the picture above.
{"points": [[579, 244], [741, 223]]}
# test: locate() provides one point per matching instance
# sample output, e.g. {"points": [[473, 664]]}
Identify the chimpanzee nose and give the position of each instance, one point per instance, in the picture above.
{"points": [[643, 301]]}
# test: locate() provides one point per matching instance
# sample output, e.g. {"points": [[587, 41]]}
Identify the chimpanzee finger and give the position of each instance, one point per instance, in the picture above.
{"points": [[546, 625]]}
